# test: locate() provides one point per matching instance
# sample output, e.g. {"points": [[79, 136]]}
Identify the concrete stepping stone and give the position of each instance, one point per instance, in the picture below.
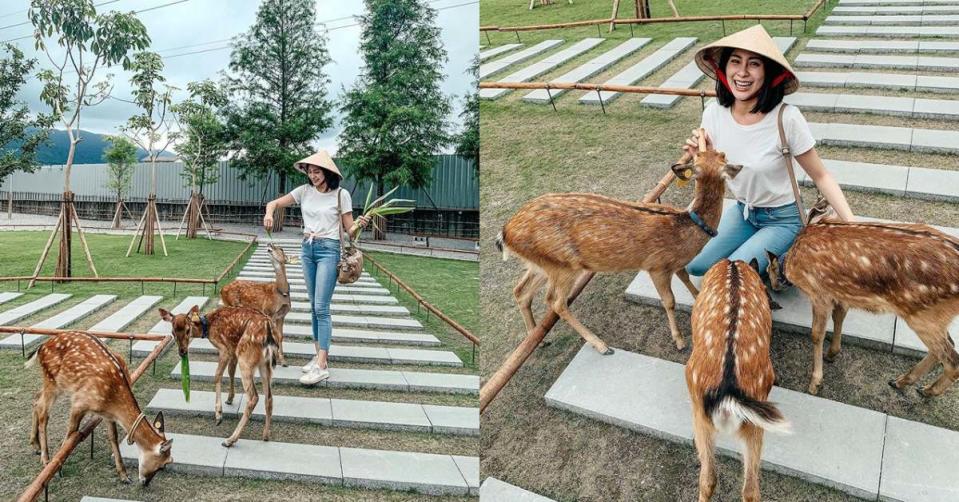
{"points": [[127, 314], [886, 137], [536, 69], [341, 353], [690, 75], [10, 317], [373, 322], [304, 306], [357, 294], [641, 70], [895, 11], [895, 20], [452, 420], [866, 177], [649, 395], [872, 61], [469, 468], [6, 296], [363, 336], [494, 490], [67, 317], [588, 69], [340, 288], [298, 279], [917, 462], [422, 472], [501, 64], [846, 3], [888, 31], [496, 51], [879, 105], [405, 381], [894, 81]]}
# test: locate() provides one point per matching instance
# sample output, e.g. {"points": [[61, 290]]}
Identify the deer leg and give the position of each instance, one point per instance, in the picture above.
{"points": [[42, 410], [705, 439], [684, 276], [218, 381], [915, 373], [838, 316], [662, 280], [231, 371], [819, 317], [34, 426], [73, 423], [266, 376], [559, 293], [246, 376], [115, 447], [941, 347], [753, 437], [278, 336], [524, 292], [929, 334]]}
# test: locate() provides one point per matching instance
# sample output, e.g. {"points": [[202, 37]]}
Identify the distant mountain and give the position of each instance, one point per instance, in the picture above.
{"points": [[89, 149]]}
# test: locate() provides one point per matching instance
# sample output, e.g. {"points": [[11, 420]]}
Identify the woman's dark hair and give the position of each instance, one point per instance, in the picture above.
{"points": [[768, 96]]}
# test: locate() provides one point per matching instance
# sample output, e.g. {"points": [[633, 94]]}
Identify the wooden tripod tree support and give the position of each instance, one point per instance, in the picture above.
{"points": [[118, 214], [150, 224], [65, 222], [193, 217], [522, 352]]}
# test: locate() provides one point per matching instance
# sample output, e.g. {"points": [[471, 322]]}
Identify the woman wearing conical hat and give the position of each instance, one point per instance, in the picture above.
{"points": [[324, 207], [752, 77]]}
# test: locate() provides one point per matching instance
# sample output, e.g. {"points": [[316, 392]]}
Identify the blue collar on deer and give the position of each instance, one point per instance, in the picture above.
{"points": [[701, 224], [205, 325], [781, 273]]}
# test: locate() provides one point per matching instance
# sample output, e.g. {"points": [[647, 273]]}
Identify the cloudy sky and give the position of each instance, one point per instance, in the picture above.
{"points": [[193, 38]]}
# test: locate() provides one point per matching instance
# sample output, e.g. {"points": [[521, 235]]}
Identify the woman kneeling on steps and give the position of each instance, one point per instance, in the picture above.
{"points": [[752, 76], [319, 201]]}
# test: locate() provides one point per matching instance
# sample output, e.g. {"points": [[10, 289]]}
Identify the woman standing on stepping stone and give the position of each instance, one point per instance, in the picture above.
{"points": [[752, 76], [318, 202]]}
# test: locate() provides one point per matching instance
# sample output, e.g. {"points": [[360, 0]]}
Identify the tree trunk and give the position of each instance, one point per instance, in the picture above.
{"points": [[118, 215], [193, 215], [149, 225], [64, 263]]}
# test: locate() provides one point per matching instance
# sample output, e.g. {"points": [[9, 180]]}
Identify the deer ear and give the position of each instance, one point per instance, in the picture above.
{"points": [[166, 446], [684, 172], [754, 263], [165, 315], [158, 422], [773, 259], [731, 170]]}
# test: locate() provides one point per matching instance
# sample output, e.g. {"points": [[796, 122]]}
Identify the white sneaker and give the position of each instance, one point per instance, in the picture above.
{"points": [[315, 375], [309, 366]]}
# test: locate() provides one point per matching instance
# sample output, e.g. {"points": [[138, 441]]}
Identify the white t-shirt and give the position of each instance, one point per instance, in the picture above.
{"points": [[763, 181], [319, 210]]}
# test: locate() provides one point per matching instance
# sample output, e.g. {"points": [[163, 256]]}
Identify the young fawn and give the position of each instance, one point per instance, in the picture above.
{"points": [[560, 236], [241, 336], [729, 373], [271, 298], [910, 270], [99, 382]]}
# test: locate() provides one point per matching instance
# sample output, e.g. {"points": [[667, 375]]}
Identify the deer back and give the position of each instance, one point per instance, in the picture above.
{"points": [[81, 365], [253, 294], [237, 329]]}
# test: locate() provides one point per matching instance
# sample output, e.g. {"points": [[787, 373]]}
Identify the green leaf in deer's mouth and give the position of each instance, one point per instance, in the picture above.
{"points": [[185, 376]]}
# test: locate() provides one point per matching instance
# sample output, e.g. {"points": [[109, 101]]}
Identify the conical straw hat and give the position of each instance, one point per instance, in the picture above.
{"points": [[322, 159], [754, 39]]}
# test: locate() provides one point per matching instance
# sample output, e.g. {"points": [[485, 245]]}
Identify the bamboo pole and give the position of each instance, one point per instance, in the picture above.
{"points": [[109, 279], [43, 256], [99, 334], [521, 353], [585, 86], [74, 439], [136, 233], [83, 240]]}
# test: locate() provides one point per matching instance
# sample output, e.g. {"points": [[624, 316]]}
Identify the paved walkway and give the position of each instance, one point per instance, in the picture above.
{"points": [[894, 81], [641, 70], [876, 61], [862, 452], [546, 64], [893, 138], [920, 108], [487, 69], [588, 69], [494, 490], [895, 11], [881, 46], [937, 19], [889, 31]]}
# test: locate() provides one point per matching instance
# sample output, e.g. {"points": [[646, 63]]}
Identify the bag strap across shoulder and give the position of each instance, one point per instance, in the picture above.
{"points": [[787, 158], [339, 216]]}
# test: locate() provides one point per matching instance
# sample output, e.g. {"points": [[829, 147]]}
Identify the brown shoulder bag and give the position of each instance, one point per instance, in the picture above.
{"points": [[821, 209], [351, 258]]}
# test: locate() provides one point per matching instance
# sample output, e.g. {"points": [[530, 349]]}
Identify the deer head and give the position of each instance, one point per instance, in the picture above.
{"points": [[185, 327], [777, 278], [153, 459], [278, 257]]}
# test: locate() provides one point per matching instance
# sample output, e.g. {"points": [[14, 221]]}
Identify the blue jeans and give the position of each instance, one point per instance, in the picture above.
{"points": [[320, 258], [772, 228]]}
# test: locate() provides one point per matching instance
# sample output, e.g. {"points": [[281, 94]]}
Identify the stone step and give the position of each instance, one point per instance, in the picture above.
{"points": [[293, 331], [298, 279], [860, 327], [886, 137], [543, 66], [862, 452], [875, 61], [338, 353], [346, 298], [937, 19], [494, 490], [67, 317], [295, 272], [895, 11], [355, 308], [404, 381], [487, 69], [690, 75], [496, 51], [352, 321], [896, 81], [10, 317], [846, 3], [7, 296], [941, 109], [339, 288], [888, 31], [916, 182], [881, 46], [357, 294], [641, 70], [588, 69], [127, 314], [454, 420], [425, 473]]}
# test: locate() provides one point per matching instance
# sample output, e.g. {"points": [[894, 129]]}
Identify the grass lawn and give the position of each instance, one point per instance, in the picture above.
{"points": [[528, 150]]}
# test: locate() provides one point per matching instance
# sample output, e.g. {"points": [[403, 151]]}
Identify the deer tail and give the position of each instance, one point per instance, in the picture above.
{"points": [[32, 360], [501, 246], [270, 347], [733, 410]]}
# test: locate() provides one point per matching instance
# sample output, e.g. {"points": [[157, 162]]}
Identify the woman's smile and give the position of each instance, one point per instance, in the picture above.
{"points": [[745, 73]]}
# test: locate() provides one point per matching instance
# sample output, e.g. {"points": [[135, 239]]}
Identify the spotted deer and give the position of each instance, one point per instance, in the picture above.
{"points": [[241, 336], [910, 270], [729, 373], [561, 235], [271, 298], [98, 381]]}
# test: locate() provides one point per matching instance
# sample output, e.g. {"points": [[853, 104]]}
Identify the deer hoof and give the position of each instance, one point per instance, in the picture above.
{"points": [[609, 351], [229, 400], [680, 345], [227, 443], [829, 358], [126, 480], [218, 419], [813, 389], [924, 392], [895, 385]]}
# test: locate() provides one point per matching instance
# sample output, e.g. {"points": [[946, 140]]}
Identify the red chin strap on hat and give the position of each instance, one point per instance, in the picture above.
{"points": [[781, 78]]}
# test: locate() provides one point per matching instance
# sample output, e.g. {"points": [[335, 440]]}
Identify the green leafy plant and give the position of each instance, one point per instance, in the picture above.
{"points": [[380, 208], [185, 376]]}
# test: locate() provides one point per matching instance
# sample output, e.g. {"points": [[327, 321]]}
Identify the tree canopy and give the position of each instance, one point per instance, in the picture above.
{"points": [[204, 140], [20, 134], [121, 157], [468, 140]]}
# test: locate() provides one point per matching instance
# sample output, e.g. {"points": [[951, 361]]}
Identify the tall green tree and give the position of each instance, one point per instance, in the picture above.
{"points": [[468, 141], [20, 134], [204, 138], [396, 114], [279, 100], [121, 157]]}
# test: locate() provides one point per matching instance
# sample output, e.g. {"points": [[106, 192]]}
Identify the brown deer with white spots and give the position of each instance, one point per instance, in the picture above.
{"points": [[243, 337], [98, 381], [271, 298], [729, 373], [908, 269], [561, 236]]}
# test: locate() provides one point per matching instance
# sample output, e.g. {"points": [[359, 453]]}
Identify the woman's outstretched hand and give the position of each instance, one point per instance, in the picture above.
{"points": [[268, 221], [692, 143], [363, 221]]}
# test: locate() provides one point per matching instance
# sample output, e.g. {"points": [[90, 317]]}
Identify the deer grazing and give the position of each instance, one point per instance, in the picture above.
{"points": [[907, 269], [99, 382], [729, 373], [241, 336], [271, 298], [560, 236]]}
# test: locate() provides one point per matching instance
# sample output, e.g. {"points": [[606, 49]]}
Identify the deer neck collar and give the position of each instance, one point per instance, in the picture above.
{"points": [[781, 274], [710, 231], [133, 428], [204, 327]]}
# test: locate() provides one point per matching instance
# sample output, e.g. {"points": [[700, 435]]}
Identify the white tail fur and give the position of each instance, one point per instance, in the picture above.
{"points": [[730, 415], [32, 361]]}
